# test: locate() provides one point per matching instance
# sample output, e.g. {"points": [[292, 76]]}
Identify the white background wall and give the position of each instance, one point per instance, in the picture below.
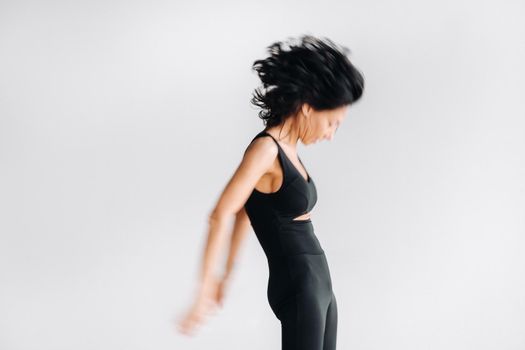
{"points": [[121, 122]]}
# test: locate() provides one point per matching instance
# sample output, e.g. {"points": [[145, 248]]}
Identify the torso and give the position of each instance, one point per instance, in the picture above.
{"points": [[299, 284], [272, 181]]}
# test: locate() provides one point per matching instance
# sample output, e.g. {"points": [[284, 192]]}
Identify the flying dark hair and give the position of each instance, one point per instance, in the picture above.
{"points": [[314, 71]]}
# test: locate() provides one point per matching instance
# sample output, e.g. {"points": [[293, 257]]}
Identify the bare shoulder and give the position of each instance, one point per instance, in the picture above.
{"points": [[258, 159], [262, 147]]}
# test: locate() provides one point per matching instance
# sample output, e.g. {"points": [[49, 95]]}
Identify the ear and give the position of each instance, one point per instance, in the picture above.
{"points": [[306, 109]]}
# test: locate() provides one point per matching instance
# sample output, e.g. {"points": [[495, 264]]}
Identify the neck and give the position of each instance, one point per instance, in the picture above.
{"points": [[286, 132]]}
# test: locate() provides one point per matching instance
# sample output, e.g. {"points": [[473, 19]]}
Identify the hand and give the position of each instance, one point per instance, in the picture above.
{"points": [[221, 291], [208, 300]]}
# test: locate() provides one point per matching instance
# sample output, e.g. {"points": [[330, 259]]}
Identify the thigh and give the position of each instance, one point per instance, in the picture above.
{"points": [[330, 334], [303, 323]]}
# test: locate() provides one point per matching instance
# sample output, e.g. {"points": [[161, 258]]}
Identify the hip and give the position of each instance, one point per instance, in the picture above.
{"points": [[307, 275]]}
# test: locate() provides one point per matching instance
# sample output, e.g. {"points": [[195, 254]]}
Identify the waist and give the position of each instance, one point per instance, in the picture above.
{"points": [[298, 237]]}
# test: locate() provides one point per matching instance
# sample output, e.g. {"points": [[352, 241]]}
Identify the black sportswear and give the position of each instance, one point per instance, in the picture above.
{"points": [[299, 286]]}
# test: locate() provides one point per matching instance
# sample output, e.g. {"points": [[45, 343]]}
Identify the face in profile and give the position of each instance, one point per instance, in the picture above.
{"points": [[321, 124]]}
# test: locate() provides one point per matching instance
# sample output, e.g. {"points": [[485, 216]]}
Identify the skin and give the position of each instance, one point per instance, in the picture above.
{"points": [[258, 169]]}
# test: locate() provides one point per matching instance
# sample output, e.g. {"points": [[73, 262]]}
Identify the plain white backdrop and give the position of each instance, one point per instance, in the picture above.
{"points": [[122, 121]]}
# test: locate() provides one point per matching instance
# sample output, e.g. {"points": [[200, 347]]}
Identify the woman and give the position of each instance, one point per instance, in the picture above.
{"points": [[309, 87]]}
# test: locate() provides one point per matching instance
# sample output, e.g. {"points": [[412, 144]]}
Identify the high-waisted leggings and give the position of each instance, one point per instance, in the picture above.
{"points": [[301, 296]]}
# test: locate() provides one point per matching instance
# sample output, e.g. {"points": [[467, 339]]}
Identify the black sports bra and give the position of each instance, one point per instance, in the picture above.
{"points": [[295, 197]]}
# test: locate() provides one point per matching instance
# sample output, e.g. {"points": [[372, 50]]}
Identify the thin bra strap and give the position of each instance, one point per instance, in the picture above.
{"points": [[287, 159], [264, 133], [281, 156]]}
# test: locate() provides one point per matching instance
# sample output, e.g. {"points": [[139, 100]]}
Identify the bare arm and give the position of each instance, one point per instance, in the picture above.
{"points": [[240, 229], [257, 160]]}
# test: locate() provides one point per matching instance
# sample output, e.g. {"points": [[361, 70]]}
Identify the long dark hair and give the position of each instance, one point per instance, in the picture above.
{"points": [[308, 69]]}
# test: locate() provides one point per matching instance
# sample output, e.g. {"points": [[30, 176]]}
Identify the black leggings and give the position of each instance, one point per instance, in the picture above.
{"points": [[301, 296]]}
